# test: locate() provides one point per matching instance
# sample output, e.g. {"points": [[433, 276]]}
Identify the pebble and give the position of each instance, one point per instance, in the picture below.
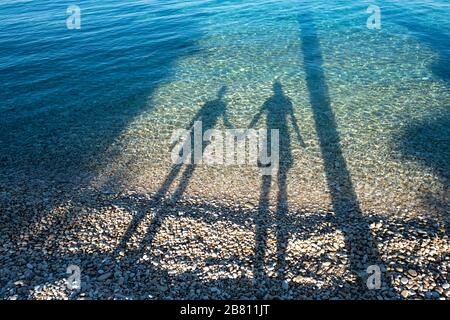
{"points": [[19, 283], [412, 273], [104, 276], [405, 294], [215, 290]]}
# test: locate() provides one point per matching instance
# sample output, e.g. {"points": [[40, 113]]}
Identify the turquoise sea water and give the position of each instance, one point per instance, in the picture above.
{"points": [[103, 100]]}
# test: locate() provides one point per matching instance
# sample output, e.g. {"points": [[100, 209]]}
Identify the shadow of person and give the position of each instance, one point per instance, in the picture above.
{"points": [[208, 116], [278, 109]]}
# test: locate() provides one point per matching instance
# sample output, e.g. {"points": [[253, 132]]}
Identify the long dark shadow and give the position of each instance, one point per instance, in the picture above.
{"points": [[360, 245], [428, 142], [208, 115], [262, 223]]}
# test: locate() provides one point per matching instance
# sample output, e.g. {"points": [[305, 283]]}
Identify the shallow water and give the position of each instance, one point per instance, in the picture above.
{"points": [[99, 104]]}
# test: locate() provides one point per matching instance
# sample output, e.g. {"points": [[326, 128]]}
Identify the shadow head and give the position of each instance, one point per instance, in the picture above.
{"points": [[222, 91], [277, 88]]}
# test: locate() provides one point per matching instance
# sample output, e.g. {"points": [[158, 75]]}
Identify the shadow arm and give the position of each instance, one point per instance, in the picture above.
{"points": [[189, 128], [297, 129], [226, 121], [195, 118], [257, 117]]}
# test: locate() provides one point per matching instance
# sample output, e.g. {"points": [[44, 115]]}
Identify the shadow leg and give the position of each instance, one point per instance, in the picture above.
{"points": [[262, 223]]}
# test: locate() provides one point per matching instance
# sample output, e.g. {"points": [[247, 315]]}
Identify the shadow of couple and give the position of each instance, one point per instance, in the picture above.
{"points": [[278, 109], [360, 246]]}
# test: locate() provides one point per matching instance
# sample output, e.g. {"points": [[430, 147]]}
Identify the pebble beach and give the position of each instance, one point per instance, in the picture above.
{"points": [[87, 179]]}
